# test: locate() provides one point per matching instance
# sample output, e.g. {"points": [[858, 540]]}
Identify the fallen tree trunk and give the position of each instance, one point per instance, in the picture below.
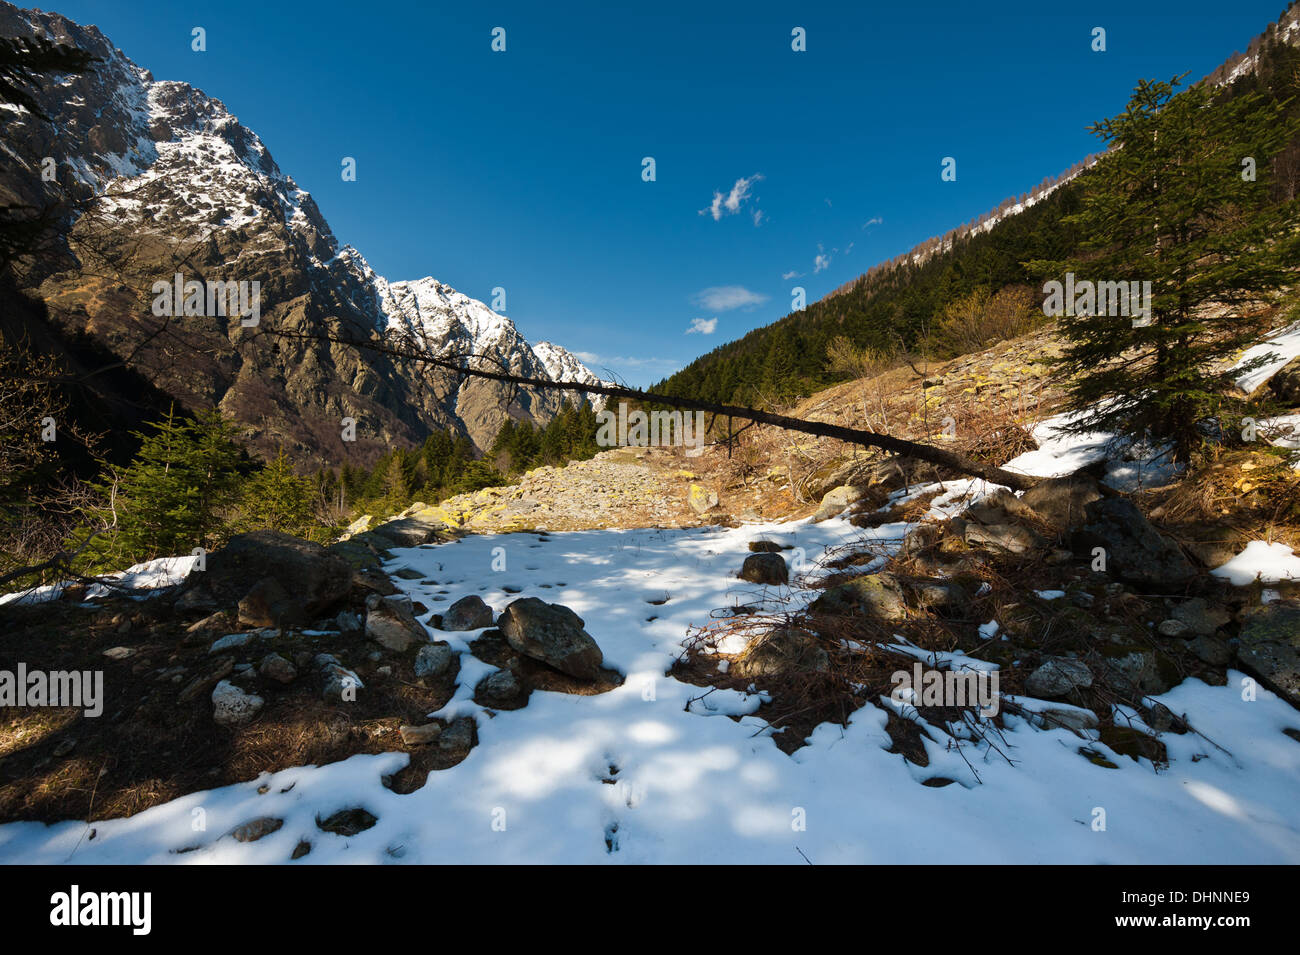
{"points": [[913, 449]]}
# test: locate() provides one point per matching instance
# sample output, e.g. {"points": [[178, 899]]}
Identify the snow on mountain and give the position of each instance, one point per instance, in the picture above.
{"points": [[166, 160]]}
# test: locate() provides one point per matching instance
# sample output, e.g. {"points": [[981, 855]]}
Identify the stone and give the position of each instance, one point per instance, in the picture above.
{"points": [[1002, 538], [783, 651], [765, 547], [876, 595], [232, 641], [1285, 383], [459, 734], [255, 829], [700, 500], [1270, 646], [765, 569], [314, 579], [348, 622], [499, 685], [1062, 502], [1135, 551], [836, 500], [268, 605], [1200, 617], [348, 822], [1211, 650], [1058, 676], [553, 634], [1173, 628], [391, 623], [411, 531], [420, 735], [340, 683], [231, 706], [999, 507], [119, 653], [1074, 718], [277, 668], [467, 613], [434, 659]]}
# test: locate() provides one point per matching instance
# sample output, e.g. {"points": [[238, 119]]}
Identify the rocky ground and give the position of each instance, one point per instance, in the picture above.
{"points": [[284, 653]]}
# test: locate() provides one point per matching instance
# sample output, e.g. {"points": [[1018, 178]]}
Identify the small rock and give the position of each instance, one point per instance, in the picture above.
{"points": [[277, 668], [434, 659], [420, 735], [392, 624], [255, 829], [458, 735], [231, 706], [1057, 676], [700, 500], [1211, 650], [1173, 628], [765, 568], [119, 653]]}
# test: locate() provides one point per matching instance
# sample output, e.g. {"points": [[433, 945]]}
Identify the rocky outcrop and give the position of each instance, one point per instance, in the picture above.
{"points": [[1134, 550], [274, 578]]}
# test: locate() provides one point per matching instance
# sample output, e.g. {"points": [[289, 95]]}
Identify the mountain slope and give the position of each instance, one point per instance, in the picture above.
{"points": [[186, 188]]}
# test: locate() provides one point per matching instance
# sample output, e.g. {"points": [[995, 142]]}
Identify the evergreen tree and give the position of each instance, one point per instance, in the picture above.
{"points": [[1172, 204], [277, 499], [174, 495]]}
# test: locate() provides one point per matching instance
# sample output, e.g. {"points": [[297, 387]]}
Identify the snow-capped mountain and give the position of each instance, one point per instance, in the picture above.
{"points": [[183, 186]]}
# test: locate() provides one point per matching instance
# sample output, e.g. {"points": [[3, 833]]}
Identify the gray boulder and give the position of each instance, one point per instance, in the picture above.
{"points": [[876, 595], [836, 500], [1057, 676], [268, 605], [434, 659], [391, 623], [765, 569], [467, 613], [1270, 646], [231, 706], [1062, 502], [553, 634]]}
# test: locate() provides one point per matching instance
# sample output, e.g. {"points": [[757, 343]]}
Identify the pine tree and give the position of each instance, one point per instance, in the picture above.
{"points": [[277, 499], [174, 495], [1171, 204]]}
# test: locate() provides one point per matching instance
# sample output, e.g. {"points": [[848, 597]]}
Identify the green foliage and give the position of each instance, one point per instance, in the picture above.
{"points": [[277, 499], [1170, 205], [174, 495]]}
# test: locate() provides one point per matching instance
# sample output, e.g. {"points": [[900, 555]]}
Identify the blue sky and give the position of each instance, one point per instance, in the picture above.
{"points": [[522, 169]]}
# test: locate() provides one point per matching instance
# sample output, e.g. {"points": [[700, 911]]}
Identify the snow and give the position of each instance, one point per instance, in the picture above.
{"points": [[1130, 465], [1279, 349], [151, 575], [1270, 563], [649, 773]]}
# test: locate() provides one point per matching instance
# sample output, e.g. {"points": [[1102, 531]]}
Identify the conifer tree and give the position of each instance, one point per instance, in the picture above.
{"points": [[276, 499], [1175, 202]]}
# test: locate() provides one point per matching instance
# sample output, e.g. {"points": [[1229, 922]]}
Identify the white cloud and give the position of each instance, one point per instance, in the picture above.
{"points": [[874, 220], [724, 298], [702, 326], [822, 262], [730, 203], [759, 216], [792, 274]]}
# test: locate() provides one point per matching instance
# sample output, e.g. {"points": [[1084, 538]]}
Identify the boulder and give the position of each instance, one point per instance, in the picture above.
{"points": [[836, 500], [499, 687], [420, 735], [700, 500], [434, 659], [1062, 502], [268, 605], [1135, 551], [1002, 538], [999, 507], [231, 706], [409, 532], [277, 668], [311, 577], [467, 613], [876, 595], [1200, 617], [553, 634], [391, 623], [765, 569], [1270, 646], [1058, 676], [783, 651], [255, 829]]}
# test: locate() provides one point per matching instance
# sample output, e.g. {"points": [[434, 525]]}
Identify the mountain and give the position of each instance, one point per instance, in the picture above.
{"points": [[183, 187]]}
